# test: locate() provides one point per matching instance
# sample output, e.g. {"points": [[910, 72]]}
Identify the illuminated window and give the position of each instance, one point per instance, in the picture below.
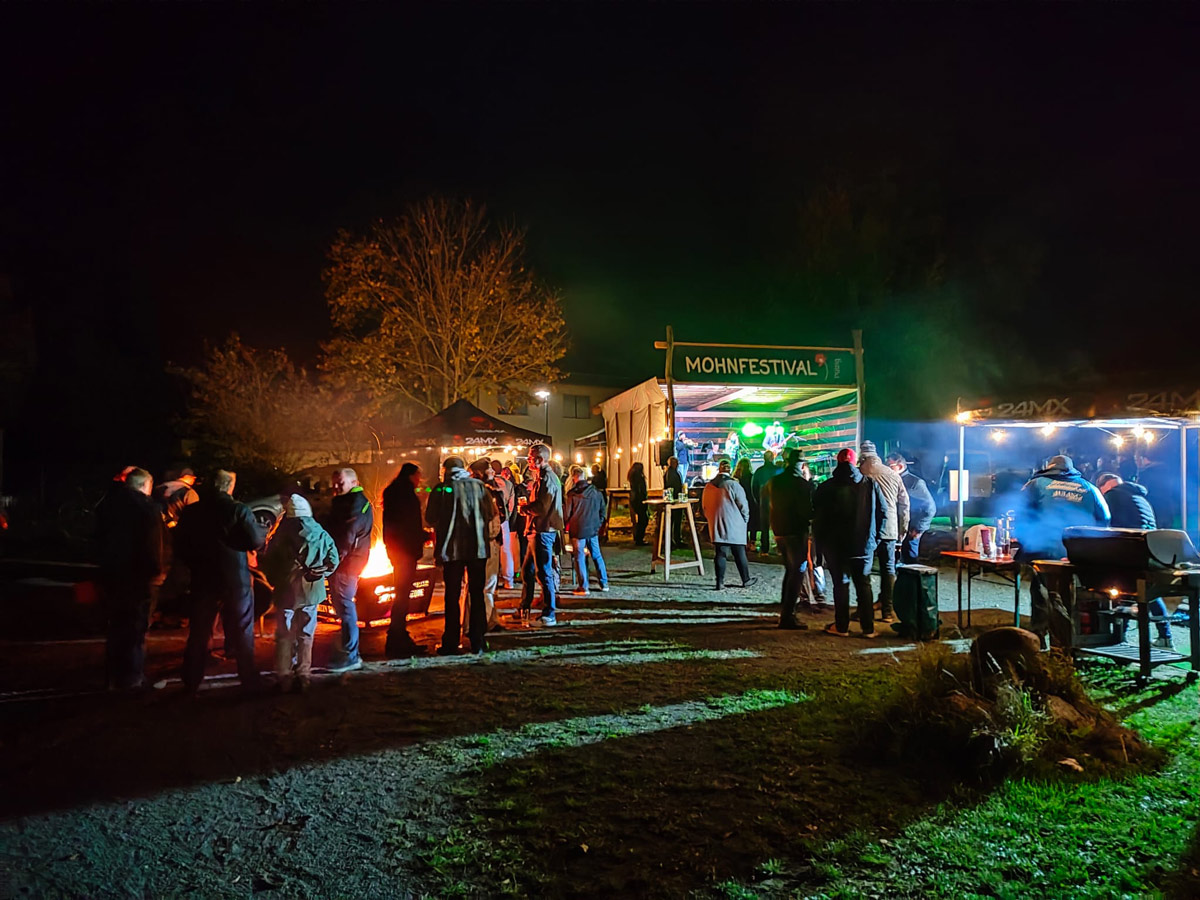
{"points": [[576, 406]]}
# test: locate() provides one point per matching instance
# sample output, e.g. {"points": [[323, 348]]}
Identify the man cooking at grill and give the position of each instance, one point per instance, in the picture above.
{"points": [[1055, 498]]}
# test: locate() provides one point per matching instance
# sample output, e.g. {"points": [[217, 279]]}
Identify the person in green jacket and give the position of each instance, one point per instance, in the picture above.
{"points": [[296, 562]]}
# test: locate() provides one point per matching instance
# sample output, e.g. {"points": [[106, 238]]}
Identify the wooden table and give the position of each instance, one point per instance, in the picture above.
{"points": [[662, 547], [1004, 566]]}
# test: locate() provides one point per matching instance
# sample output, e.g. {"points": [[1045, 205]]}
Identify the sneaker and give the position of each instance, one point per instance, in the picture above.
{"points": [[346, 667], [581, 592], [890, 618], [449, 651], [869, 635], [604, 588], [793, 626], [548, 621], [749, 582], [832, 628], [1163, 643]]}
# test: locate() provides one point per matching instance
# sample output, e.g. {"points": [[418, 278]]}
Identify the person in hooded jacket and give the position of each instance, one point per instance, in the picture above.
{"points": [[1128, 503], [585, 510], [129, 545], [1130, 507], [213, 538], [791, 505], [895, 524], [460, 510], [727, 511], [404, 537], [639, 491], [481, 470], [849, 515], [350, 523], [1055, 498], [300, 556]]}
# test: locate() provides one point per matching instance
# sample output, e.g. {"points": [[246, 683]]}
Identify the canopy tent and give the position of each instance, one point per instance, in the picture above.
{"points": [[462, 427], [1160, 423], [812, 393]]}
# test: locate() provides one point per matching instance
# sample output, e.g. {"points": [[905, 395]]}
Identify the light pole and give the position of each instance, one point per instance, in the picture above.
{"points": [[544, 395]]}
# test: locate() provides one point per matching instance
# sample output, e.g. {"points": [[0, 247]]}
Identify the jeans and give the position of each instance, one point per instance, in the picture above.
{"points": [[237, 617], [404, 573], [764, 518], [294, 629], [543, 549], [855, 571], [592, 545], [475, 571], [795, 573], [342, 589], [127, 610], [738, 552], [910, 547], [885, 552]]}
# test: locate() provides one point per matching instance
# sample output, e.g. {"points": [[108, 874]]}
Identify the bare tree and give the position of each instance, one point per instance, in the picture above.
{"points": [[259, 410], [437, 304]]}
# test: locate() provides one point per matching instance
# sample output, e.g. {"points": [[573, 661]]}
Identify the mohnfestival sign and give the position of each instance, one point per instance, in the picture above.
{"points": [[761, 365]]}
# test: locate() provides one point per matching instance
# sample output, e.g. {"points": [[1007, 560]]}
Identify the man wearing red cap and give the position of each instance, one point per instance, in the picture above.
{"points": [[849, 513]]}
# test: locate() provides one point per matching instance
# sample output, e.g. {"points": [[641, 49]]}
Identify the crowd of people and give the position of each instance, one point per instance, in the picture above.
{"points": [[491, 524]]}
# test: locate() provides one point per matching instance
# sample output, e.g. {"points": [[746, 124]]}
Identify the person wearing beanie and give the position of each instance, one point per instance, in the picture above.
{"points": [[1054, 499], [461, 510], [300, 556], [848, 518], [350, 523], [895, 523]]}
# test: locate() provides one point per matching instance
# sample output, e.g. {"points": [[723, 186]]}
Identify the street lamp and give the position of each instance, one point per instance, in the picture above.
{"points": [[544, 395]]}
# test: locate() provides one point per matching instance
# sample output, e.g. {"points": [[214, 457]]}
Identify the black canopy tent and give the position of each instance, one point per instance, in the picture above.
{"points": [[463, 429], [1129, 418]]}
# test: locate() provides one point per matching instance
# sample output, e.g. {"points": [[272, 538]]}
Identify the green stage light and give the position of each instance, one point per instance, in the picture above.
{"points": [[751, 430]]}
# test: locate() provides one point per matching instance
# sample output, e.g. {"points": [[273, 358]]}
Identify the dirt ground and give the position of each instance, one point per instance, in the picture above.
{"points": [[642, 718]]}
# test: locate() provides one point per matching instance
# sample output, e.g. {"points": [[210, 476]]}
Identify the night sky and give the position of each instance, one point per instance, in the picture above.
{"points": [[184, 166]]}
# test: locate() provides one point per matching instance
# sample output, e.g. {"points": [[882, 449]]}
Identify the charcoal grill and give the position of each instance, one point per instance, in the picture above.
{"points": [[1109, 566]]}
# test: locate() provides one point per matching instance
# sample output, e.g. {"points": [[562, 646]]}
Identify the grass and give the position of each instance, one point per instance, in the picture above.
{"points": [[801, 802]]}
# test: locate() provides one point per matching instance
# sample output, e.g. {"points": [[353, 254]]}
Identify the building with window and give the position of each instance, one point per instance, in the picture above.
{"points": [[570, 410]]}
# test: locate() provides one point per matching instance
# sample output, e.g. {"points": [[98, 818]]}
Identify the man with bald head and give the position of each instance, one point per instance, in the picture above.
{"points": [[350, 523]]}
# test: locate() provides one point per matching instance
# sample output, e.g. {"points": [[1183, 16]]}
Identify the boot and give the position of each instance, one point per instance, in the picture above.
{"points": [[887, 585]]}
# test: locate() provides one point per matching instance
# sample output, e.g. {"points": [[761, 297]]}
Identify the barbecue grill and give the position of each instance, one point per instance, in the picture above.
{"points": [[1114, 566], [374, 597]]}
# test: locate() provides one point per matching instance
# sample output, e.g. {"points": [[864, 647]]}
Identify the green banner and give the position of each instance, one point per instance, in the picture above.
{"points": [[757, 365]]}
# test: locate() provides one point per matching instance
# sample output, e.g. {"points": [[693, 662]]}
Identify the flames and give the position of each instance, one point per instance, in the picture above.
{"points": [[378, 563]]}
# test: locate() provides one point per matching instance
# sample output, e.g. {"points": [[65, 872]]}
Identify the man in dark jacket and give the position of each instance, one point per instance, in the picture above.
{"points": [[545, 509], [791, 505], [849, 513], [1056, 498], [129, 539], [1130, 507], [349, 523], [673, 482], [459, 510], [921, 508], [213, 537], [1128, 503], [584, 511], [762, 476], [404, 537]]}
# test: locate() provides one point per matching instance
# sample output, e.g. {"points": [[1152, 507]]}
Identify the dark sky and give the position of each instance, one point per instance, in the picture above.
{"points": [[188, 163]]}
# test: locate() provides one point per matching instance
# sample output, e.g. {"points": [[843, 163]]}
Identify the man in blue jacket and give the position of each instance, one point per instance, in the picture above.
{"points": [[584, 512], [1055, 498]]}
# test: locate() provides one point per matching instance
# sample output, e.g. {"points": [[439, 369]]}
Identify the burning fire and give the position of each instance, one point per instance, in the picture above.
{"points": [[378, 563]]}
